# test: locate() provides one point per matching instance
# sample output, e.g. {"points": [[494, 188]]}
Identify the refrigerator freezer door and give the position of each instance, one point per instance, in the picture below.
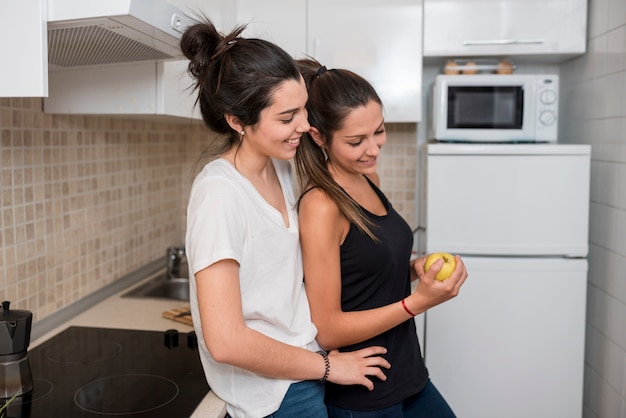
{"points": [[512, 343], [507, 199]]}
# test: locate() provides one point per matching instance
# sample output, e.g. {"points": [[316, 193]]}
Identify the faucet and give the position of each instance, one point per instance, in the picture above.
{"points": [[174, 258]]}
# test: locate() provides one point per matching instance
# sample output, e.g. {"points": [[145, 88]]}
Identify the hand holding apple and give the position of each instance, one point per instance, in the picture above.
{"points": [[432, 288], [449, 264]]}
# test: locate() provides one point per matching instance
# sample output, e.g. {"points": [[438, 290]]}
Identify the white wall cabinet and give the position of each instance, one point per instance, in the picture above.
{"points": [[380, 41], [141, 89], [24, 48], [549, 28], [280, 21]]}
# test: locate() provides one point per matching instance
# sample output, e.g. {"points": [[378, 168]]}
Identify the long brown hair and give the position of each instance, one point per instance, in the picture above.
{"points": [[333, 94]]}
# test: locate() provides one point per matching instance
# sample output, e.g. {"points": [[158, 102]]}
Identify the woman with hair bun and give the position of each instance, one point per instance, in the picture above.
{"points": [[256, 339], [357, 251]]}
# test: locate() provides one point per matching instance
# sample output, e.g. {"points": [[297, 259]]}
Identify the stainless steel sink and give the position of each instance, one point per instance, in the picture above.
{"points": [[161, 287], [171, 284]]}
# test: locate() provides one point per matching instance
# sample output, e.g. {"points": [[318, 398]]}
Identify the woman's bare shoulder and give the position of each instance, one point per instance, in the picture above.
{"points": [[315, 203]]}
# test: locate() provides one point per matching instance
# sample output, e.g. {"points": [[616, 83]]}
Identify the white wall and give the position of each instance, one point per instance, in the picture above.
{"points": [[594, 112]]}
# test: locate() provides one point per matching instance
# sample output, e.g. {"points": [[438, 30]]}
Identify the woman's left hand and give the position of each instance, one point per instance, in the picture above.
{"points": [[431, 292]]}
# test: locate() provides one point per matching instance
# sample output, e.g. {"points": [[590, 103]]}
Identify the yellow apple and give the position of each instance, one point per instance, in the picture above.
{"points": [[449, 264]]}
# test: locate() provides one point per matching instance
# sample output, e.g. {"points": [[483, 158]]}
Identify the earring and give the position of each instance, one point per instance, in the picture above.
{"points": [[242, 133], [324, 153]]}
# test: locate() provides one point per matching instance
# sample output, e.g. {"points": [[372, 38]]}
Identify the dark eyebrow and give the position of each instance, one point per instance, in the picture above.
{"points": [[360, 135], [284, 112]]}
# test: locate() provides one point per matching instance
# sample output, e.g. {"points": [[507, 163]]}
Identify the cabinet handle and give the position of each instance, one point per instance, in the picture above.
{"points": [[316, 47], [504, 42]]}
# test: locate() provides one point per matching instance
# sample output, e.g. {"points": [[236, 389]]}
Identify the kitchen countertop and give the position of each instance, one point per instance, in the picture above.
{"points": [[140, 314]]}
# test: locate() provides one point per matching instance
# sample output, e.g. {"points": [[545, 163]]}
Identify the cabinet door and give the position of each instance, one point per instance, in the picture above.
{"points": [[380, 41], [504, 27], [24, 48], [512, 343], [527, 200], [280, 21]]}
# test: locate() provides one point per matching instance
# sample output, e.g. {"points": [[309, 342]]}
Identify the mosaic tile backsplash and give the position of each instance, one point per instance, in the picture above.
{"points": [[85, 200]]}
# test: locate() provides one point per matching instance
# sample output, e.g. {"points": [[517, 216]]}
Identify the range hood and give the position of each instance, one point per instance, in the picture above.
{"points": [[97, 32]]}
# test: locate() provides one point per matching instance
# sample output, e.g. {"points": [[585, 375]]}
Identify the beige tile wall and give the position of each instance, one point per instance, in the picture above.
{"points": [[85, 200]]}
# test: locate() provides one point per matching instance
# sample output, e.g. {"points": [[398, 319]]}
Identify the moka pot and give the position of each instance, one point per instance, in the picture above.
{"points": [[15, 375]]}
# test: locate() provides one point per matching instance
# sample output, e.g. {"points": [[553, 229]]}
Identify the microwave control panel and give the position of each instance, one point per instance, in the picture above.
{"points": [[546, 125]]}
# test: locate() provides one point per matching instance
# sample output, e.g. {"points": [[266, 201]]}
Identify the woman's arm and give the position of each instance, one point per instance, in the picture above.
{"points": [[322, 230], [230, 341]]}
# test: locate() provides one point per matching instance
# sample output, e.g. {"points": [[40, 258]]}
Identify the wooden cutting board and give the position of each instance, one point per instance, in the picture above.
{"points": [[182, 315]]}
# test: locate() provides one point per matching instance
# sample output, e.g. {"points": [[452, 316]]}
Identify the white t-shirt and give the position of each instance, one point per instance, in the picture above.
{"points": [[227, 218]]}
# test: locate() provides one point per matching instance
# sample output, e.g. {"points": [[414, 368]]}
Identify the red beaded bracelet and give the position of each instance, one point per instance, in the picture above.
{"points": [[407, 309]]}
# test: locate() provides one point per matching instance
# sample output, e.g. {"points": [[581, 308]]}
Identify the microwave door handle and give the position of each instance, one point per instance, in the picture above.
{"points": [[504, 42]]}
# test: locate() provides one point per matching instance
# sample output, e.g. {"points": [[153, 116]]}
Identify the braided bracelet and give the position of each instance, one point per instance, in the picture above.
{"points": [[326, 364]]}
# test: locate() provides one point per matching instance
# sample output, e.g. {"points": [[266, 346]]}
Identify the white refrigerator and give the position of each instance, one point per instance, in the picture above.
{"points": [[511, 344]]}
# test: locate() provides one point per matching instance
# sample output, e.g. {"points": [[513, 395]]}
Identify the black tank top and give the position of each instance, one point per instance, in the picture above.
{"points": [[375, 274]]}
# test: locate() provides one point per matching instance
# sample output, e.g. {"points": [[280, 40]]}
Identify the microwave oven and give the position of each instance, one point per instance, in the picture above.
{"points": [[494, 108]]}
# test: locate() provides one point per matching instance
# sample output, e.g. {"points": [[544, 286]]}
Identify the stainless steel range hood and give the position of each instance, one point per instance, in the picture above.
{"points": [[92, 33]]}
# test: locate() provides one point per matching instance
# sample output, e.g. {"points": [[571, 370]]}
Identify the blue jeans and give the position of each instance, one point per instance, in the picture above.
{"points": [[427, 404], [303, 400]]}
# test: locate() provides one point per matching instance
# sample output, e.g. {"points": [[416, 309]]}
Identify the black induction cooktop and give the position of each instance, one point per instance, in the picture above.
{"points": [[101, 372]]}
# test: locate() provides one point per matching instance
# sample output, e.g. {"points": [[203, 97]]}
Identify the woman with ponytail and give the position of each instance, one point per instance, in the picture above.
{"points": [[357, 251]]}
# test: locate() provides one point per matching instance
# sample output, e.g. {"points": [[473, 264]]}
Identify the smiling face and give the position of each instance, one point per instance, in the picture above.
{"points": [[281, 124], [354, 148]]}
